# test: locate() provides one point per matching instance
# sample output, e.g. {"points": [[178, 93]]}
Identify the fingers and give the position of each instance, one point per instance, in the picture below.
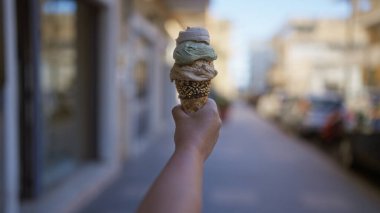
{"points": [[177, 112], [211, 102], [209, 107]]}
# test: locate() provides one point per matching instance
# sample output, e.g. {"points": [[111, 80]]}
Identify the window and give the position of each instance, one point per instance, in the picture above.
{"points": [[63, 120], [364, 5], [141, 79], [2, 65], [58, 92], [374, 33]]}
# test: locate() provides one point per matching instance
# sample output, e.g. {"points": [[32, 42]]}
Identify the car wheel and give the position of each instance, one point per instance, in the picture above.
{"points": [[345, 154]]}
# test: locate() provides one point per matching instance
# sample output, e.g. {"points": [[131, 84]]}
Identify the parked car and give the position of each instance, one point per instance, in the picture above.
{"points": [[360, 149], [323, 117], [291, 113], [268, 105], [361, 145]]}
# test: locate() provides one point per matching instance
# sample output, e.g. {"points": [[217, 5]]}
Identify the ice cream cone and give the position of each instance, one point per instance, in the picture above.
{"points": [[193, 68], [193, 94]]}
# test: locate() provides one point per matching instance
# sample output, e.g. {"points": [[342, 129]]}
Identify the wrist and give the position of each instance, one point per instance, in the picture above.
{"points": [[189, 150]]}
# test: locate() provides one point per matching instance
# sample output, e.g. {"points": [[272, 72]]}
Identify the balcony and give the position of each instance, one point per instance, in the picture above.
{"points": [[194, 6], [370, 18]]}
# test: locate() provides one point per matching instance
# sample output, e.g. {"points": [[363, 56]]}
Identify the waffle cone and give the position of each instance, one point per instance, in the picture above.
{"points": [[193, 105], [193, 94]]}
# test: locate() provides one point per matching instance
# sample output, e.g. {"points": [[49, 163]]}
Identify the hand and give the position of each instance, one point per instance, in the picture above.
{"points": [[197, 131]]}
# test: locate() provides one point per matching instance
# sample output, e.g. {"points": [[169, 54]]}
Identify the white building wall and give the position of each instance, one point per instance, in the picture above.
{"points": [[309, 67], [261, 61], [108, 101], [312, 59], [145, 43], [9, 156]]}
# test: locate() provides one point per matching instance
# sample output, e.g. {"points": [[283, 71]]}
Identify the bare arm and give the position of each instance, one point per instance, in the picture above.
{"points": [[179, 186]]}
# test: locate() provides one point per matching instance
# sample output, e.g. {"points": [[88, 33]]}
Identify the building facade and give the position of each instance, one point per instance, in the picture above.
{"points": [[314, 56], [59, 95], [370, 19], [220, 31], [261, 61], [84, 86]]}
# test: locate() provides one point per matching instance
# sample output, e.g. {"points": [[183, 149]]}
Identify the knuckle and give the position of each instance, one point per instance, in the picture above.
{"points": [[219, 123], [175, 111]]}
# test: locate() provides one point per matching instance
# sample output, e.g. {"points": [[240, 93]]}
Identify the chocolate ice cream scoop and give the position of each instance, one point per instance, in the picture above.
{"points": [[200, 70]]}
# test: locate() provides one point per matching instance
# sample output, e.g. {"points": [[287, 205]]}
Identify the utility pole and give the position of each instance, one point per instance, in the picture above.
{"points": [[350, 45]]}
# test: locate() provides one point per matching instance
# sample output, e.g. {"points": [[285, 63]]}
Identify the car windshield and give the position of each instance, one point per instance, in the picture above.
{"points": [[325, 105]]}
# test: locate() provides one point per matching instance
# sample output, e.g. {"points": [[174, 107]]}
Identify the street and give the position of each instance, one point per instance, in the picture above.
{"points": [[255, 167]]}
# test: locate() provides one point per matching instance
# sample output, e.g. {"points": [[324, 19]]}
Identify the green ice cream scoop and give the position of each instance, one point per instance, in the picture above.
{"points": [[189, 51]]}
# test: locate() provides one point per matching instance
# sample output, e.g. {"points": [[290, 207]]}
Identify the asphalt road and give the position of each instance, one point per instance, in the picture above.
{"points": [[255, 167]]}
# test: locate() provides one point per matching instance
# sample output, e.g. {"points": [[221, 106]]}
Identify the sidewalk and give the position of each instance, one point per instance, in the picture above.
{"points": [[254, 168], [139, 172]]}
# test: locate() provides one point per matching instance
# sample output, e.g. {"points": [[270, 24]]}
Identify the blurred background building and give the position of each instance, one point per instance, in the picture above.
{"points": [[261, 61], [317, 56], [312, 57], [84, 86], [220, 31], [370, 20]]}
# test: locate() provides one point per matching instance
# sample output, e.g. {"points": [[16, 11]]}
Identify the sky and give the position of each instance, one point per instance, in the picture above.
{"points": [[258, 20]]}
